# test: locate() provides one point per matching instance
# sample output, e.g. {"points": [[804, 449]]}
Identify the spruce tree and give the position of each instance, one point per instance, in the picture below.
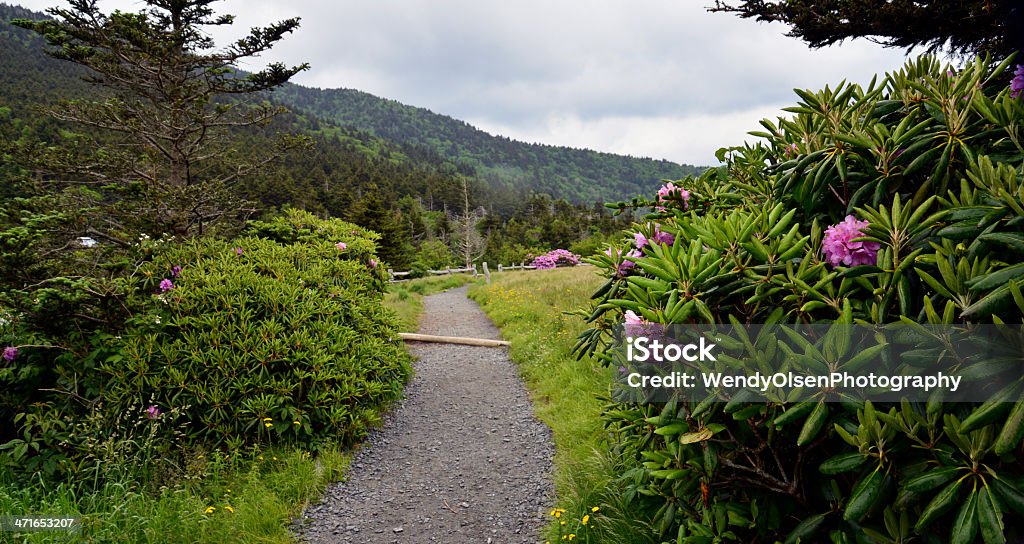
{"points": [[169, 97]]}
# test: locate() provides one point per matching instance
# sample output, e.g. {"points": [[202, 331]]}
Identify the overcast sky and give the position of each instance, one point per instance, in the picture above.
{"points": [[652, 78]]}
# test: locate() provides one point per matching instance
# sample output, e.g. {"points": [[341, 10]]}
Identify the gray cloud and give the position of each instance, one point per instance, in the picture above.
{"points": [[657, 78]]}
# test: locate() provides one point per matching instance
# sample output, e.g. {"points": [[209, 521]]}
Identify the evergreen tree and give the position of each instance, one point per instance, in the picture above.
{"points": [[959, 26], [168, 101]]}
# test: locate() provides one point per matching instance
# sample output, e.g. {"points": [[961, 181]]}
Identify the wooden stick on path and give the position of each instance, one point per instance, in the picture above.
{"points": [[452, 340]]}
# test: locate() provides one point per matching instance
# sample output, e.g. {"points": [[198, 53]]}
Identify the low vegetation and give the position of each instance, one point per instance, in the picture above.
{"points": [[405, 299], [536, 313]]}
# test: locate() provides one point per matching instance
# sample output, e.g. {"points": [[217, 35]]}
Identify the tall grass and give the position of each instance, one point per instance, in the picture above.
{"points": [[530, 308], [236, 500]]}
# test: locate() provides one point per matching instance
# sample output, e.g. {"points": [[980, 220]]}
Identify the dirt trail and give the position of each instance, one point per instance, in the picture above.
{"points": [[461, 460]]}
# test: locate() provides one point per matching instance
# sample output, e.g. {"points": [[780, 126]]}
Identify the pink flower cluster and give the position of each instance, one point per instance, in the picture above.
{"points": [[659, 237], [622, 264], [153, 412], [10, 353], [670, 193], [1017, 83], [555, 258], [638, 326], [839, 246]]}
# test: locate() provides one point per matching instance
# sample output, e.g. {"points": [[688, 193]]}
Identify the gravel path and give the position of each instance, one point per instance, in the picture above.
{"points": [[461, 460]]}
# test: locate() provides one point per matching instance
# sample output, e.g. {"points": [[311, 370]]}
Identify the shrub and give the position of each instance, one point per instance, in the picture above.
{"points": [[928, 164], [265, 341], [555, 258], [276, 338]]}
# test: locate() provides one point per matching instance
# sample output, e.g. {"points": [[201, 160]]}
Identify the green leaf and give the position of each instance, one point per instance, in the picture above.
{"points": [[990, 518], [938, 505], [965, 527], [673, 428], [864, 495], [991, 410], [995, 279], [931, 479], [795, 412], [813, 424], [1013, 431], [806, 529], [844, 462]]}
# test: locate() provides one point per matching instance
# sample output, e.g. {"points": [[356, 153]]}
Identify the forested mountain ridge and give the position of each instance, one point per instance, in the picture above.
{"points": [[410, 189], [578, 175]]}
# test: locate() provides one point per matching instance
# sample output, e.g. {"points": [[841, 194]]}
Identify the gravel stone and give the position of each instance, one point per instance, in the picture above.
{"points": [[461, 460]]}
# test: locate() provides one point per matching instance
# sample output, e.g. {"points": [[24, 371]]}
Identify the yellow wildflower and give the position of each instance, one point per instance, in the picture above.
{"points": [[209, 510], [557, 512], [268, 425], [297, 422], [586, 519], [229, 509], [572, 536], [268, 419], [595, 509]]}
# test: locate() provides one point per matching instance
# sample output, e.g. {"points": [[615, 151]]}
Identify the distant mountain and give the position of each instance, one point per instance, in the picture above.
{"points": [[361, 141], [577, 175]]}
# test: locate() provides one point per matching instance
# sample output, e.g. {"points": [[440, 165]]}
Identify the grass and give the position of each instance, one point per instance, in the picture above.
{"points": [[406, 298], [530, 307], [237, 500]]}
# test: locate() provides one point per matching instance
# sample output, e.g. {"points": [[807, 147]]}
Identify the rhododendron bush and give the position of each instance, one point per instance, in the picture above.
{"points": [[899, 202], [277, 336], [555, 258]]}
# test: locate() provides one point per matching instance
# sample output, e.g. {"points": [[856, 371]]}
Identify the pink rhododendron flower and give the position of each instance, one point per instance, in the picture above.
{"points": [[341, 246], [1017, 83], [640, 240], [659, 237], [663, 237], [669, 193], [373, 262], [839, 246], [153, 412], [636, 325], [555, 258], [166, 285], [10, 353], [623, 265]]}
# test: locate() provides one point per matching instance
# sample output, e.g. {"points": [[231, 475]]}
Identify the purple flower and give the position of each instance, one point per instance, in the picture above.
{"points": [[239, 251], [373, 262], [342, 246], [662, 237], [636, 325], [839, 246], [1017, 83], [10, 352], [166, 285], [640, 240], [669, 193], [153, 412], [792, 149], [176, 271], [622, 265], [554, 258]]}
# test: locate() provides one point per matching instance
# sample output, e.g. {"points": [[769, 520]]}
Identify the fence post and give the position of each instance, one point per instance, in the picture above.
{"points": [[487, 273], [499, 267], [391, 274]]}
